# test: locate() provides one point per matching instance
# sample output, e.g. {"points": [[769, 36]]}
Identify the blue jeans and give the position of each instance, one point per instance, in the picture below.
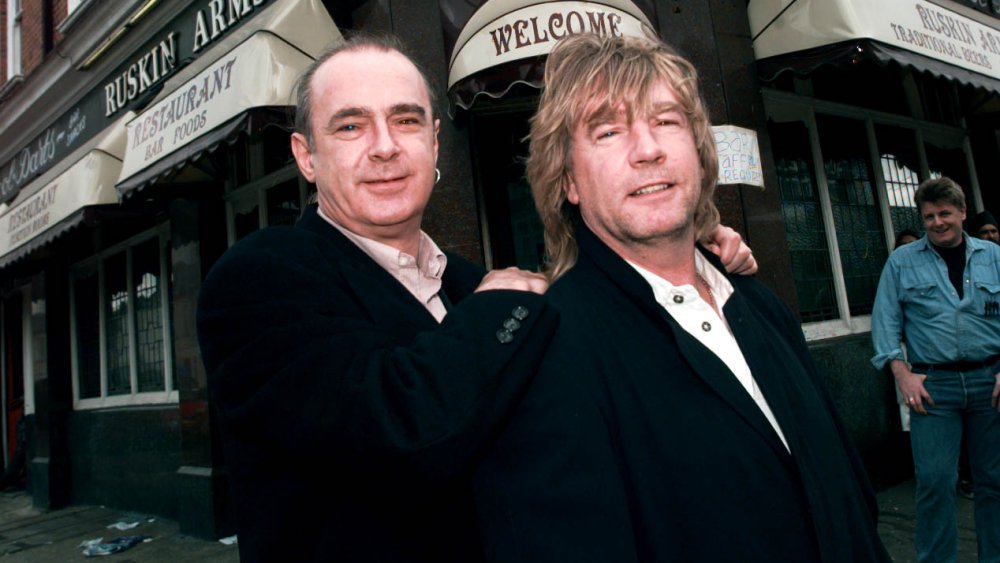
{"points": [[961, 403]]}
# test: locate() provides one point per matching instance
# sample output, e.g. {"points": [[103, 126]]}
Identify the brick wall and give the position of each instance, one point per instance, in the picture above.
{"points": [[33, 33]]}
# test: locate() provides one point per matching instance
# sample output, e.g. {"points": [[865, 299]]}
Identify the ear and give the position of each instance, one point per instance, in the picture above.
{"points": [[572, 195], [303, 156], [437, 129]]}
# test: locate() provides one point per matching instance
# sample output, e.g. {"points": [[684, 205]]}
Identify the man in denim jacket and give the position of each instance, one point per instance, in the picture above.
{"points": [[941, 294]]}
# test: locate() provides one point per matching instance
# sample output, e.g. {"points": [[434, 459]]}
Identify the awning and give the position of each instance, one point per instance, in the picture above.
{"points": [[494, 44], [801, 35], [248, 122], [196, 114], [49, 207]]}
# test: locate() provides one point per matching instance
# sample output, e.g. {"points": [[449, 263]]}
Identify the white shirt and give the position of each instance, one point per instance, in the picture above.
{"points": [[420, 275], [701, 321]]}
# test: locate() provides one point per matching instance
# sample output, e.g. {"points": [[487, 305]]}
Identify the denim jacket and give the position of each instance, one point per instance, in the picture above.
{"points": [[916, 300]]}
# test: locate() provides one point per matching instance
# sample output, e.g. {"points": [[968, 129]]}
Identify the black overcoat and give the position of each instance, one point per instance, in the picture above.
{"points": [[636, 443], [349, 417]]}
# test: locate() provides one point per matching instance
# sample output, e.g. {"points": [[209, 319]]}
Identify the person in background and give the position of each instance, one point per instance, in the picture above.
{"points": [[984, 226], [942, 295], [905, 236]]}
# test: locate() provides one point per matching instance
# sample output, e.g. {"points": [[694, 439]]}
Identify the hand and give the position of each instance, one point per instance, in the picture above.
{"points": [[995, 401], [911, 385], [736, 256], [514, 279]]}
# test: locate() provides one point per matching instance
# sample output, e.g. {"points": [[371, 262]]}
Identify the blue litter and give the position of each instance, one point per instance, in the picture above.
{"points": [[114, 546]]}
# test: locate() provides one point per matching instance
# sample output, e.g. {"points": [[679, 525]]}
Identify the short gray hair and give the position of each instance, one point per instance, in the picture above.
{"points": [[357, 42]]}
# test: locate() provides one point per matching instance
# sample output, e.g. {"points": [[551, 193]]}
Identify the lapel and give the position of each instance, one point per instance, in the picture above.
{"points": [[377, 291], [702, 361]]}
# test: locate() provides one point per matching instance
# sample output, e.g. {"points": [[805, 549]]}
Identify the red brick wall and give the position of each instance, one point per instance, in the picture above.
{"points": [[31, 35], [58, 15]]}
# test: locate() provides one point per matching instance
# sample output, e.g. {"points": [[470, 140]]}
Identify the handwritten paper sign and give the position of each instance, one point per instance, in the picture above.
{"points": [[739, 155]]}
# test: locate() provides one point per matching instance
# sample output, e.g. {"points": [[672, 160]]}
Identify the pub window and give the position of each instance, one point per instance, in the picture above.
{"points": [[856, 219], [121, 347], [275, 199], [846, 179], [513, 233], [265, 189], [803, 215], [900, 168], [13, 38]]}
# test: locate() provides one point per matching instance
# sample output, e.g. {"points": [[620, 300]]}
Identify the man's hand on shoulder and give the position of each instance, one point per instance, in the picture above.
{"points": [[735, 255], [514, 279], [911, 385]]}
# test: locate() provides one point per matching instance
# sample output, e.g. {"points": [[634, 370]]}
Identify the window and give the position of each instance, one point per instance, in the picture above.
{"points": [[856, 219], [263, 187], [803, 215], [275, 199], [120, 335], [513, 231], [13, 38], [72, 5], [846, 178], [900, 167]]}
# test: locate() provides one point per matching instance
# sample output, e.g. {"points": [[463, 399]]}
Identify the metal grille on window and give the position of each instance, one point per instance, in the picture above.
{"points": [[810, 255], [146, 280], [116, 324]]}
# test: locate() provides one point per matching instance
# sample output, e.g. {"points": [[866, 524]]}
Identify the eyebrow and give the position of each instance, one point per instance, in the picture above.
{"points": [[602, 116], [408, 108], [667, 106]]}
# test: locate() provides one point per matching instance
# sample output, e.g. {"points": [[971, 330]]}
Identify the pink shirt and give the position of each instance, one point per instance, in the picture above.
{"points": [[420, 275]]}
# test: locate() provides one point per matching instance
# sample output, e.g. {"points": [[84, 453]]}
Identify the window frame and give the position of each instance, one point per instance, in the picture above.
{"points": [[96, 262], [15, 39], [257, 189], [785, 107]]}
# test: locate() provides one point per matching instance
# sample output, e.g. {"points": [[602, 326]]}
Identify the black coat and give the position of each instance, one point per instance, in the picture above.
{"points": [[349, 417], [636, 443]]}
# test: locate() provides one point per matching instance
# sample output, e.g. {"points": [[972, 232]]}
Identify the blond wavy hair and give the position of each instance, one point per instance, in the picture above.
{"points": [[586, 74]]}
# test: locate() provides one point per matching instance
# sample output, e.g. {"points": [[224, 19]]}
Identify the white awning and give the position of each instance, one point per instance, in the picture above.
{"points": [[505, 31], [260, 71], [916, 33], [54, 203]]}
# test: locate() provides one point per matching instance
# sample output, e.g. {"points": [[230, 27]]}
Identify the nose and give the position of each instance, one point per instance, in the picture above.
{"points": [[646, 148], [383, 143]]}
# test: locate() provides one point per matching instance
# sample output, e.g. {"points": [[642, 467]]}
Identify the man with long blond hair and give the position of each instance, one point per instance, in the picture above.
{"points": [[677, 415]]}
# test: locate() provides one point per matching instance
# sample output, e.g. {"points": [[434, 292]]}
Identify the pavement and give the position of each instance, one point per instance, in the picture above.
{"points": [[27, 534], [897, 524], [30, 535]]}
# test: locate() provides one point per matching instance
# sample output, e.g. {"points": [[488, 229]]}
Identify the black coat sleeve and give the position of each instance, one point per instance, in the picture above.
{"points": [[299, 365]]}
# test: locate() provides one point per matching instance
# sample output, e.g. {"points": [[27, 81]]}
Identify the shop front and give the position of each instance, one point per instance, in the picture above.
{"points": [[864, 100], [114, 214]]}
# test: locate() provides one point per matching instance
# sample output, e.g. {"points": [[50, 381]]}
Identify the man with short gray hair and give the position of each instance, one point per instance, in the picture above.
{"points": [[940, 295]]}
